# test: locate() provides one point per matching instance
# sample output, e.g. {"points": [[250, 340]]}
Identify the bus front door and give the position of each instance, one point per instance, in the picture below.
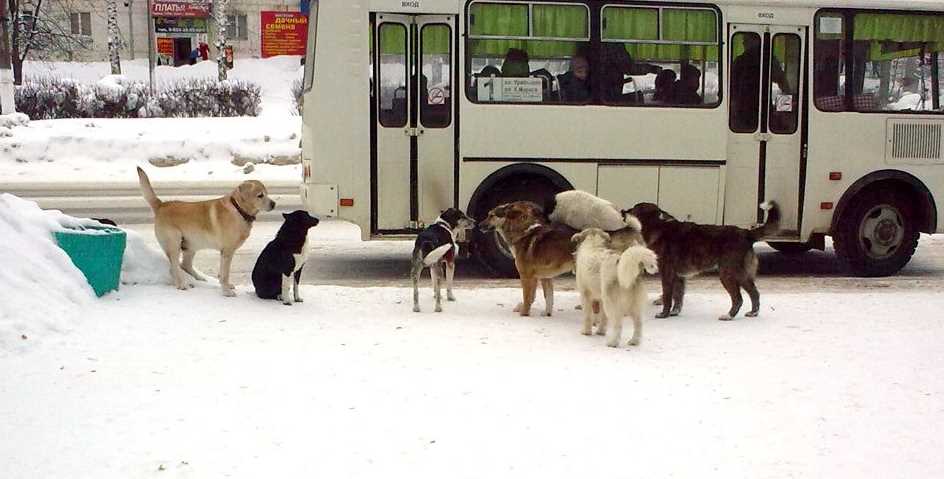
{"points": [[765, 142], [414, 142]]}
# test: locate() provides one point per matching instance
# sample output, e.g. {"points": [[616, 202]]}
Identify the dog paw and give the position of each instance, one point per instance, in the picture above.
{"points": [[524, 313], [548, 313], [601, 332], [657, 302], [438, 309], [450, 297], [662, 315], [674, 313], [299, 300], [586, 332], [634, 342], [518, 309], [416, 309], [613, 343], [725, 317], [287, 303], [751, 314], [229, 293]]}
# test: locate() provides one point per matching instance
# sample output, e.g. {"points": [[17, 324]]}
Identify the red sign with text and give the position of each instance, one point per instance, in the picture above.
{"points": [[283, 33], [180, 8]]}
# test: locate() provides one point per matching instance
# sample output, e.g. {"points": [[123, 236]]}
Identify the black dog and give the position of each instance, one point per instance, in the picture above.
{"points": [[436, 249], [279, 266]]}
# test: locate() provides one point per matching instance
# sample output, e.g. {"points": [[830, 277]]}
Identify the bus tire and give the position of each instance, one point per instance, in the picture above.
{"points": [[878, 233], [489, 248], [790, 249]]}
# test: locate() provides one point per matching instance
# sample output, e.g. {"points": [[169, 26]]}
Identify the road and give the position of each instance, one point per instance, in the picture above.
{"points": [[338, 257]]}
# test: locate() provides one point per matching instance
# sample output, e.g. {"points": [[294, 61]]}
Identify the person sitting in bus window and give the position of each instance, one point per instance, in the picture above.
{"points": [[665, 83], [616, 64], [575, 84], [686, 88], [515, 64]]}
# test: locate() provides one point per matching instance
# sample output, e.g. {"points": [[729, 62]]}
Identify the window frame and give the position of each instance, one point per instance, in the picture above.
{"points": [[452, 53], [240, 34], [80, 23], [847, 42], [673, 6], [591, 40]]}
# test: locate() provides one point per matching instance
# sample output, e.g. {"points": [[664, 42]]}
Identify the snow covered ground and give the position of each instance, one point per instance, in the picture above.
{"points": [[352, 384], [154, 382], [96, 150]]}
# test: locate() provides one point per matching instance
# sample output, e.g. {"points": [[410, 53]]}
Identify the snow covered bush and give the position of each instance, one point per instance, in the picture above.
{"points": [[114, 96]]}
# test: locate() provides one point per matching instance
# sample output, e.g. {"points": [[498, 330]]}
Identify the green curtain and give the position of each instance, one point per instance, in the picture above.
{"points": [[650, 52], [560, 21], [534, 48], [899, 27], [435, 39], [392, 39], [499, 19], [689, 25], [631, 23]]}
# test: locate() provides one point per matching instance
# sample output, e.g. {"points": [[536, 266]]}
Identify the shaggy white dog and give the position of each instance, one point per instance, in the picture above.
{"points": [[606, 275], [581, 210]]}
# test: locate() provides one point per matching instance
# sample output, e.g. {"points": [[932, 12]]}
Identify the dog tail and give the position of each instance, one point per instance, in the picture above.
{"points": [[632, 262], [771, 226], [436, 254], [147, 190]]}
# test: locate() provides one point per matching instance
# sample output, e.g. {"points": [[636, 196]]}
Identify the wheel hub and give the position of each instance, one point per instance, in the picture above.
{"points": [[881, 231]]}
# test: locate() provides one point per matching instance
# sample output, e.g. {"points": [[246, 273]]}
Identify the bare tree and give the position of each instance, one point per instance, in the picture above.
{"points": [[114, 39], [219, 11], [34, 29]]}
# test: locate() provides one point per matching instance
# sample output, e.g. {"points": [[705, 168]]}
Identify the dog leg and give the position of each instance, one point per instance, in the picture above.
{"points": [[678, 296], [528, 287], [668, 283], [436, 272], [754, 295], [415, 272], [612, 310], [588, 314], [730, 283], [170, 243], [635, 310], [603, 321], [450, 273], [286, 289], [298, 277], [547, 285], [187, 265], [226, 260]]}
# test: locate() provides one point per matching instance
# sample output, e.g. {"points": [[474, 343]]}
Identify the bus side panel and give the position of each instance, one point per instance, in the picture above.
{"points": [[336, 118]]}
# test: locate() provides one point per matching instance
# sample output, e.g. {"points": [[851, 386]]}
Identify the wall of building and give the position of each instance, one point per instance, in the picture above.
{"points": [[134, 31]]}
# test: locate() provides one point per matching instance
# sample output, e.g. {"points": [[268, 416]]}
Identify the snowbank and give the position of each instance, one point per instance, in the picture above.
{"points": [[41, 291], [274, 75]]}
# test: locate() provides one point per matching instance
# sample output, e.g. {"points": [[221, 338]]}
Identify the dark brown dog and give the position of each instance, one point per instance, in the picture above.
{"points": [[543, 250], [686, 249]]}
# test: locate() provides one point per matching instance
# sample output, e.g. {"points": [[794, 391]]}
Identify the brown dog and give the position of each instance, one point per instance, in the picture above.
{"points": [[222, 224], [686, 249], [543, 250]]}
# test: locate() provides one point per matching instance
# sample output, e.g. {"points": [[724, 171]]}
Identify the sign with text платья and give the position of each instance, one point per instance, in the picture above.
{"points": [[283, 33], [180, 8]]}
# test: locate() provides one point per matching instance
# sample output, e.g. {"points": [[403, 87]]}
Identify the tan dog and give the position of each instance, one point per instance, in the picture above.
{"points": [[222, 224], [543, 250]]}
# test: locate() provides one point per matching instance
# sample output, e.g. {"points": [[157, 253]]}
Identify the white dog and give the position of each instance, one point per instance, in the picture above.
{"points": [[606, 275], [581, 210]]}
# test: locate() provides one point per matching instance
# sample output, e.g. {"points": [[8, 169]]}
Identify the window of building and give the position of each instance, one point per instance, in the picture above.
{"points": [[659, 56], [237, 26], [875, 61], [529, 53], [81, 23]]}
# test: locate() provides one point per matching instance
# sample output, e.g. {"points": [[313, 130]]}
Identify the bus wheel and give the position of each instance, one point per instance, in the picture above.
{"points": [[877, 235], [490, 248], [790, 249]]}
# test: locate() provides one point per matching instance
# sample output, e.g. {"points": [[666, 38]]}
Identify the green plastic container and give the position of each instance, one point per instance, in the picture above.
{"points": [[97, 252]]}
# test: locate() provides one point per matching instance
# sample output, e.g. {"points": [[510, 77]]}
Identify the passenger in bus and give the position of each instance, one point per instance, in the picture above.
{"points": [[515, 64], [686, 88], [616, 64], [745, 82], [665, 84], [575, 84]]}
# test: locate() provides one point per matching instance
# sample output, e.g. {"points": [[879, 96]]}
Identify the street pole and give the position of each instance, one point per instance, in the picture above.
{"points": [[6, 71], [151, 41]]}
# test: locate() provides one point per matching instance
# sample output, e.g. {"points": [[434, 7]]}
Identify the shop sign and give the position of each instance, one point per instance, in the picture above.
{"points": [[180, 8], [180, 25], [283, 33]]}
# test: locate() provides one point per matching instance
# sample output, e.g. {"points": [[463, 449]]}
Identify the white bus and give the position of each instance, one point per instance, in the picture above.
{"points": [[831, 108]]}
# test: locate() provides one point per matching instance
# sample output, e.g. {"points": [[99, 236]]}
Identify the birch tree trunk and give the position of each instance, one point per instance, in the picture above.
{"points": [[114, 41], [221, 24]]}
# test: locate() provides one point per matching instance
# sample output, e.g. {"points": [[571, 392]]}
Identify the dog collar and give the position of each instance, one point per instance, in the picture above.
{"points": [[246, 216]]}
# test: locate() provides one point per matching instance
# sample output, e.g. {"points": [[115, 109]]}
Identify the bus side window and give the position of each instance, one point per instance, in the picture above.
{"points": [[392, 81]]}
